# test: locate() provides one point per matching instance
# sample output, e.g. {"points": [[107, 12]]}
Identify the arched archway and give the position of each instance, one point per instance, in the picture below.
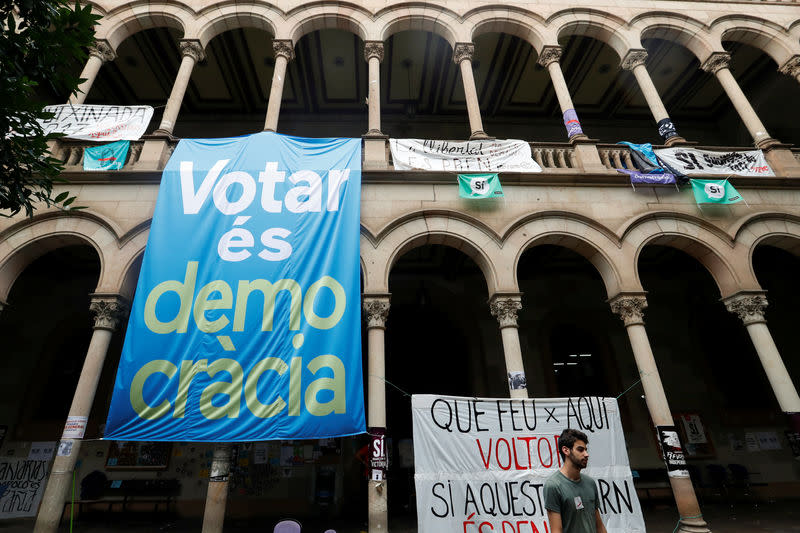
{"points": [[46, 327], [440, 339]]}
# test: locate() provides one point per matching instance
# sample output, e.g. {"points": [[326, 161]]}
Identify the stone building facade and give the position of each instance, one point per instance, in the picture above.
{"points": [[476, 291]]}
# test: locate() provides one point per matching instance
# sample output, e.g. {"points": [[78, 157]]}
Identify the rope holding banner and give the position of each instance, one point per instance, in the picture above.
{"points": [[684, 518], [390, 383], [629, 388]]}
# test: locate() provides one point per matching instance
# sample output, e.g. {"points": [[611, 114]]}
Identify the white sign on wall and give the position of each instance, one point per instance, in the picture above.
{"points": [[465, 156], [481, 463], [22, 483]]}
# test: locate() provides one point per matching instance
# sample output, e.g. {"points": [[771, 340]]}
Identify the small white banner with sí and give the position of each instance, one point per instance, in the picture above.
{"points": [[694, 162]]}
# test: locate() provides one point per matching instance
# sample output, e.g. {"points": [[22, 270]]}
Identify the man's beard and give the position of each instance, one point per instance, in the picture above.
{"points": [[577, 463]]}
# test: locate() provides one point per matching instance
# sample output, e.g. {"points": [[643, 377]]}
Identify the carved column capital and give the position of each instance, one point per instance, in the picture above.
{"points": [[373, 49], [504, 308], [549, 55], [749, 306], [283, 47], [102, 50], [193, 49], [634, 58], [376, 310], [716, 61], [462, 52], [791, 67], [109, 310], [629, 307]]}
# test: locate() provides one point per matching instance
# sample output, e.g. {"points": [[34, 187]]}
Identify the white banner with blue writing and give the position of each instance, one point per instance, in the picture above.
{"points": [[246, 323]]}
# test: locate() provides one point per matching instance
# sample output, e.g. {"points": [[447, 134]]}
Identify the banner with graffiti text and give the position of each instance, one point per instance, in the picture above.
{"points": [[246, 324], [22, 483], [98, 122], [694, 162], [463, 156], [481, 463]]}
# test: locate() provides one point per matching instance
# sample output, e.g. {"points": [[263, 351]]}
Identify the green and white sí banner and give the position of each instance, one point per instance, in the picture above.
{"points": [[715, 192], [479, 186]]}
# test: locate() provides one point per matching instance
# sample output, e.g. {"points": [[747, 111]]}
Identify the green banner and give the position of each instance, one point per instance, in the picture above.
{"points": [[715, 192], [479, 186]]}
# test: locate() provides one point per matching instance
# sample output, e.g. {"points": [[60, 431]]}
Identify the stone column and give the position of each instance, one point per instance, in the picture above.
{"points": [[191, 52], [549, 58], [634, 61], [108, 310], [217, 495], [719, 65], [504, 308], [376, 311], [462, 56], [749, 307], [99, 53], [284, 52], [791, 67], [373, 53], [630, 307]]}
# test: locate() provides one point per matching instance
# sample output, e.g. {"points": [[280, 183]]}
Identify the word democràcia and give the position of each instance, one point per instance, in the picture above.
{"points": [[233, 247]]}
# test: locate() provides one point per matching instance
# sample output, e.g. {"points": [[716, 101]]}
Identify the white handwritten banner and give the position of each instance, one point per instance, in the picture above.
{"points": [[700, 162], [481, 463], [98, 122], [21, 486], [467, 156]]}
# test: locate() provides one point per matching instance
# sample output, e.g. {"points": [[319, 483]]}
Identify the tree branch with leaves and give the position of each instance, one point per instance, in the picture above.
{"points": [[39, 40]]}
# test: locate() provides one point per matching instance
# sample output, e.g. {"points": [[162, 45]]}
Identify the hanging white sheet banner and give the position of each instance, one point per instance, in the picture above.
{"points": [[481, 463], [466, 156], [98, 122], [701, 162]]}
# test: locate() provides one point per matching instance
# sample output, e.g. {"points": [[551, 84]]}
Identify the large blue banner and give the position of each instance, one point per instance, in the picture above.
{"points": [[246, 321]]}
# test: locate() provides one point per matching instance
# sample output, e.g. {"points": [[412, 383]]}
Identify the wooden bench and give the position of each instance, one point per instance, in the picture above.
{"points": [[123, 493]]}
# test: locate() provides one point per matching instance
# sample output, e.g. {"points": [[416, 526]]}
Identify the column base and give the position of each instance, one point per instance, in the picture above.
{"points": [[782, 160], [672, 141], [374, 134], [693, 525], [480, 135], [162, 133], [269, 129], [763, 144], [578, 137]]}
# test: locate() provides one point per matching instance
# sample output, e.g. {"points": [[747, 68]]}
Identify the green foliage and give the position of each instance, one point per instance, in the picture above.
{"points": [[38, 38]]}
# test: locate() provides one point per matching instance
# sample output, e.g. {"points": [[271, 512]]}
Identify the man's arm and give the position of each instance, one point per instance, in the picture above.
{"points": [[555, 522], [598, 522]]}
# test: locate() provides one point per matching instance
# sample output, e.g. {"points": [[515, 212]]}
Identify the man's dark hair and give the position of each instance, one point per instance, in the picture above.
{"points": [[568, 438]]}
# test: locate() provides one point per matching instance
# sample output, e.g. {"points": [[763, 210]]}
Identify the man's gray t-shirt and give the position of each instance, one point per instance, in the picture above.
{"points": [[575, 501]]}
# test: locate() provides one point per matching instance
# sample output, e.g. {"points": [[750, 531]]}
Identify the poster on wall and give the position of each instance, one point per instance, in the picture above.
{"points": [[98, 122], [508, 155], [246, 325], [22, 483], [693, 162], [481, 463]]}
